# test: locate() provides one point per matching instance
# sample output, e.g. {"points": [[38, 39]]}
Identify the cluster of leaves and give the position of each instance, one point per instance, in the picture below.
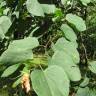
{"points": [[42, 38]]}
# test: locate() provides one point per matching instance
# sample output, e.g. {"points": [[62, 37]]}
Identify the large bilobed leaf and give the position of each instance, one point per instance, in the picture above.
{"points": [[24, 44], [12, 56], [68, 32], [77, 21], [86, 92], [64, 2], [92, 66], [85, 2], [5, 24], [10, 70], [68, 47], [34, 8], [65, 61], [51, 82], [19, 51], [48, 9]]}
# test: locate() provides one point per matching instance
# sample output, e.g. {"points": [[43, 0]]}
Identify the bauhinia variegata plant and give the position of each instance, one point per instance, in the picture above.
{"points": [[47, 75]]}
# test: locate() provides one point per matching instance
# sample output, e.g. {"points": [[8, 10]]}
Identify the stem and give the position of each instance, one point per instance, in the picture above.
{"points": [[85, 51]]}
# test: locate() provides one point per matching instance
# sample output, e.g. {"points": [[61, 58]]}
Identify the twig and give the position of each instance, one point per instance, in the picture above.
{"points": [[85, 51]]}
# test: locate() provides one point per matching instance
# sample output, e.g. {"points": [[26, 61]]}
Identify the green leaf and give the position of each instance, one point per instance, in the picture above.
{"points": [[24, 44], [85, 82], [77, 21], [83, 92], [68, 47], [11, 56], [26, 70], [85, 2], [34, 8], [1, 11], [10, 70], [86, 92], [64, 2], [51, 82], [19, 51], [58, 13], [5, 24], [48, 9], [17, 82], [92, 66], [68, 32], [5, 12], [2, 36], [2, 3], [64, 60], [93, 92]]}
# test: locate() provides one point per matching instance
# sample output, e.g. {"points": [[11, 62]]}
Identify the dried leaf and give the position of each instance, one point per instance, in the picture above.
{"points": [[25, 82]]}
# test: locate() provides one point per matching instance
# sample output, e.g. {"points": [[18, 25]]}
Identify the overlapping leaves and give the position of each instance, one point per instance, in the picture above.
{"points": [[64, 60], [68, 47], [66, 54], [19, 50], [53, 81], [37, 9]]}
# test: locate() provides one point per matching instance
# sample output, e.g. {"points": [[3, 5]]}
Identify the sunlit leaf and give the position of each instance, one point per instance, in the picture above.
{"points": [[68, 47], [10, 70], [85, 2], [64, 60], [17, 82], [92, 66], [34, 8], [52, 82], [24, 44], [19, 51], [68, 32], [48, 9], [77, 21], [64, 1]]}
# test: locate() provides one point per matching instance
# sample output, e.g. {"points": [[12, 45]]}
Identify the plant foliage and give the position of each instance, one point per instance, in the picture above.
{"points": [[41, 46]]}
